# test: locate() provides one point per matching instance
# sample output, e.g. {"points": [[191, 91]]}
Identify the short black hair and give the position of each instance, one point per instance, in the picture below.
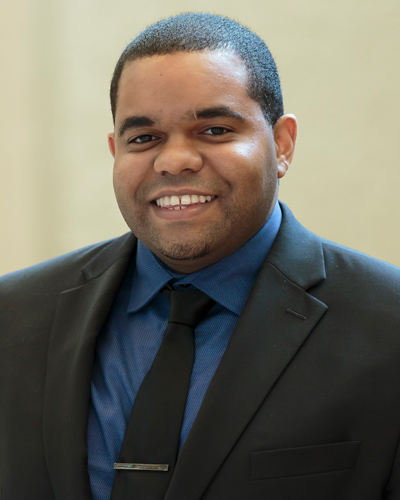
{"points": [[198, 31]]}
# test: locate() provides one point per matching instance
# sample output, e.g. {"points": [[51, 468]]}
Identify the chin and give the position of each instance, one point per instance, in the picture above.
{"points": [[184, 251]]}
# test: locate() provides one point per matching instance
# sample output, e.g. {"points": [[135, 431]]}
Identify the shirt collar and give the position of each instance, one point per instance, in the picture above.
{"points": [[239, 269]]}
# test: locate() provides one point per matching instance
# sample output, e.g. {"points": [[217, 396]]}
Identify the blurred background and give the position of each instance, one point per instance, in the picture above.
{"points": [[340, 69]]}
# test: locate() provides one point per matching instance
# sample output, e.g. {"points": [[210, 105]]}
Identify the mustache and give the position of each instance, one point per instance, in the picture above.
{"points": [[176, 183]]}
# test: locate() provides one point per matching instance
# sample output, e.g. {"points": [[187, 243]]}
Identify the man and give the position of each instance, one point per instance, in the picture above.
{"points": [[295, 386]]}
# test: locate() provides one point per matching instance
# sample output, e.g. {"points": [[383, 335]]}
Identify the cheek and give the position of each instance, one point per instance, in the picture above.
{"points": [[124, 189], [255, 151], [246, 163], [126, 176], [246, 151], [242, 152], [118, 181], [231, 160]]}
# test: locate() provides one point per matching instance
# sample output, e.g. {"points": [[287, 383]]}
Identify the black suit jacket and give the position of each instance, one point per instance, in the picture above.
{"points": [[305, 403]]}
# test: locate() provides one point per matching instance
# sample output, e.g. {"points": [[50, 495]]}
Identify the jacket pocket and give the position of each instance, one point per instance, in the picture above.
{"points": [[304, 460]]}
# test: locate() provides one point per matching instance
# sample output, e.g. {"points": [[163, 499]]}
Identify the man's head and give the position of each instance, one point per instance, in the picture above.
{"points": [[196, 32], [197, 162]]}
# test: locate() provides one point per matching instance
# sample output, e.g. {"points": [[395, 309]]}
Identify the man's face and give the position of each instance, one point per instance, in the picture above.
{"points": [[196, 170]]}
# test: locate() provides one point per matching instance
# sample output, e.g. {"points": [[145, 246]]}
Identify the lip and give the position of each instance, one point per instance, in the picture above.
{"points": [[177, 215], [179, 192]]}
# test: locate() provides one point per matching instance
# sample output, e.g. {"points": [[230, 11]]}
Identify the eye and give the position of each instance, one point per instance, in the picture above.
{"points": [[216, 131], [143, 139]]}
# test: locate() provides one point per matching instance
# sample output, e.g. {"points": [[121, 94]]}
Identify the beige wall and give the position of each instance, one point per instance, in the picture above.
{"points": [[340, 70]]}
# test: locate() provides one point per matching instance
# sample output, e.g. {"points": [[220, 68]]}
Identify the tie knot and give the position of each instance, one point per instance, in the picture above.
{"points": [[188, 306]]}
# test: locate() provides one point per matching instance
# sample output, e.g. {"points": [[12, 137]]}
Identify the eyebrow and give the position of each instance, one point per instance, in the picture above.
{"points": [[135, 122], [216, 112]]}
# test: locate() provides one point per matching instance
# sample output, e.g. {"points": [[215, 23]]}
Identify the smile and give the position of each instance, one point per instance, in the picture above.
{"points": [[181, 202]]}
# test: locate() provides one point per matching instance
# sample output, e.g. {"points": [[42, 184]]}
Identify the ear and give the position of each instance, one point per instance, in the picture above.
{"points": [[111, 143], [285, 133]]}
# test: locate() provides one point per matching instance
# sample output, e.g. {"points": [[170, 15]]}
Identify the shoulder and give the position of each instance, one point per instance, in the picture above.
{"points": [[65, 271], [28, 298], [355, 268], [299, 249], [362, 294], [342, 278]]}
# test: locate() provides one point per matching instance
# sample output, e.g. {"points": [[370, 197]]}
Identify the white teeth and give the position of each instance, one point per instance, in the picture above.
{"points": [[185, 199], [180, 202], [174, 200]]}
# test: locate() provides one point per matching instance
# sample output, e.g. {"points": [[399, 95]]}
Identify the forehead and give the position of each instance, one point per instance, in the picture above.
{"points": [[189, 80]]}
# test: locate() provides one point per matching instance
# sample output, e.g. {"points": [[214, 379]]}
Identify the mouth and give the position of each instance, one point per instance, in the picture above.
{"points": [[175, 202]]}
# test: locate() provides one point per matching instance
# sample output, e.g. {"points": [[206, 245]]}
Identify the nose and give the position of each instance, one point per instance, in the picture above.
{"points": [[177, 156]]}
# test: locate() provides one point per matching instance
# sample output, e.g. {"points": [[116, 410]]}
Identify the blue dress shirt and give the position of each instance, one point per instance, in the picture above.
{"points": [[133, 333]]}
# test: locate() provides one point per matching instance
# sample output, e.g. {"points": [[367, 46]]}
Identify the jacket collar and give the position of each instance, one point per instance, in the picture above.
{"points": [[297, 252], [79, 317], [277, 319]]}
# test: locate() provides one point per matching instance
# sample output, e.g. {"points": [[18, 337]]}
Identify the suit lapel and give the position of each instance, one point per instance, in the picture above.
{"points": [[80, 315], [275, 322], [264, 342]]}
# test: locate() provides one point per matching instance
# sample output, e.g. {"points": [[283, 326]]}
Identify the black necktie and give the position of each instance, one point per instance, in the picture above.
{"points": [[150, 447]]}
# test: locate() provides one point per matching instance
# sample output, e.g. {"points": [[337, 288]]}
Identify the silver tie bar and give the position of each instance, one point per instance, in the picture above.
{"points": [[152, 467]]}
